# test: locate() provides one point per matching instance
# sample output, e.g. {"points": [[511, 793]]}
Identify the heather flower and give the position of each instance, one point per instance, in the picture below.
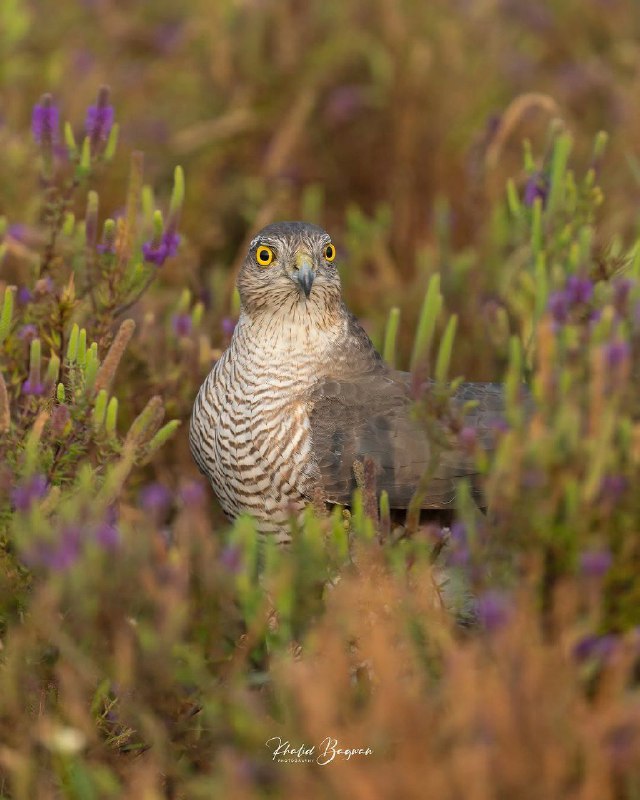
{"points": [[155, 497], [28, 332], [595, 647], [499, 425], [33, 387], [192, 493], [27, 493], [616, 353], [578, 290], [157, 253], [231, 559], [182, 324], [65, 553], [536, 187], [24, 295], [18, 231], [595, 315], [228, 326], [468, 439], [99, 122], [493, 609], [459, 533], [595, 563], [613, 487], [106, 247], [58, 555], [107, 536], [621, 289], [559, 306], [460, 554], [45, 122]]}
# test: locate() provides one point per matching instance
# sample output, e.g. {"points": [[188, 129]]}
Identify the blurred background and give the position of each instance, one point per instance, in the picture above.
{"points": [[394, 123]]}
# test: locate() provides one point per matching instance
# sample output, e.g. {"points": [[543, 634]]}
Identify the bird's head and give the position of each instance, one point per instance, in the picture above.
{"points": [[290, 267]]}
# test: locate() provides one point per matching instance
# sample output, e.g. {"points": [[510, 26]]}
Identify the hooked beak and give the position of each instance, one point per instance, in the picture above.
{"points": [[304, 275]]}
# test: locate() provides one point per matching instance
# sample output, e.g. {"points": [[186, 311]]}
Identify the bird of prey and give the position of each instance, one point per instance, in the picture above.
{"points": [[301, 394]]}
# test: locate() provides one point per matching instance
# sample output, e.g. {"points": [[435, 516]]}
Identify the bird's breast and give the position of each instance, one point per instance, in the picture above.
{"points": [[251, 434]]}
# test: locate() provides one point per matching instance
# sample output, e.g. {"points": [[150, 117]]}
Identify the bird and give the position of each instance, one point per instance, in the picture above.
{"points": [[301, 395]]}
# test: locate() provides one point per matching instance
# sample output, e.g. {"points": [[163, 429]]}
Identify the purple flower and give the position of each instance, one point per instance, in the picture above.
{"points": [[616, 353], [107, 536], [621, 289], [468, 439], [578, 290], [192, 493], [536, 187], [45, 122], [613, 487], [158, 253], [99, 122], [106, 247], [595, 563], [155, 497], [24, 295], [459, 533], [595, 315], [559, 306], [182, 324], [58, 555], [35, 388], [25, 494], [595, 647], [493, 609], [65, 554], [459, 555], [228, 326], [231, 558], [28, 332], [499, 425], [19, 231]]}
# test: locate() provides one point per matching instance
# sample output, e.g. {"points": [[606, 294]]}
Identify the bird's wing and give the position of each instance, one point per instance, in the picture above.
{"points": [[371, 415]]}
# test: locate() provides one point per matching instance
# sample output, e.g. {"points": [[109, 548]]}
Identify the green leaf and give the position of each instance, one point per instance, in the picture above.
{"points": [[390, 336], [445, 350], [6, 315], [427, 322]]}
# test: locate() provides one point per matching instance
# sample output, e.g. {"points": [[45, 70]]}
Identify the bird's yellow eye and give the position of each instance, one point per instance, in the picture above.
{"points": [[329, 252], [264, 255]]}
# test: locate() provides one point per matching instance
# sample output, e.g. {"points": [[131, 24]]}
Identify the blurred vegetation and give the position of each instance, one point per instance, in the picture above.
{"points": [[148, 649]]}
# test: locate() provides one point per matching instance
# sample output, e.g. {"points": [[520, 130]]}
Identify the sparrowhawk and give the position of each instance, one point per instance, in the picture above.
{"points": [[301, 394]]}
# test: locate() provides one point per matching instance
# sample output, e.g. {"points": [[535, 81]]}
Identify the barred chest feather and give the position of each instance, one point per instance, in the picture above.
{"points": [[250, 430]]}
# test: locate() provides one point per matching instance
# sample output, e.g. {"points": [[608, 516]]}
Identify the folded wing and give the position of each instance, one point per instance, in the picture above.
{"points": [[372, 415]]}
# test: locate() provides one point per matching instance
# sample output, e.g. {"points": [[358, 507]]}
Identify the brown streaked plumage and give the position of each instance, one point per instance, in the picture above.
{"points": [[301, 393]]}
